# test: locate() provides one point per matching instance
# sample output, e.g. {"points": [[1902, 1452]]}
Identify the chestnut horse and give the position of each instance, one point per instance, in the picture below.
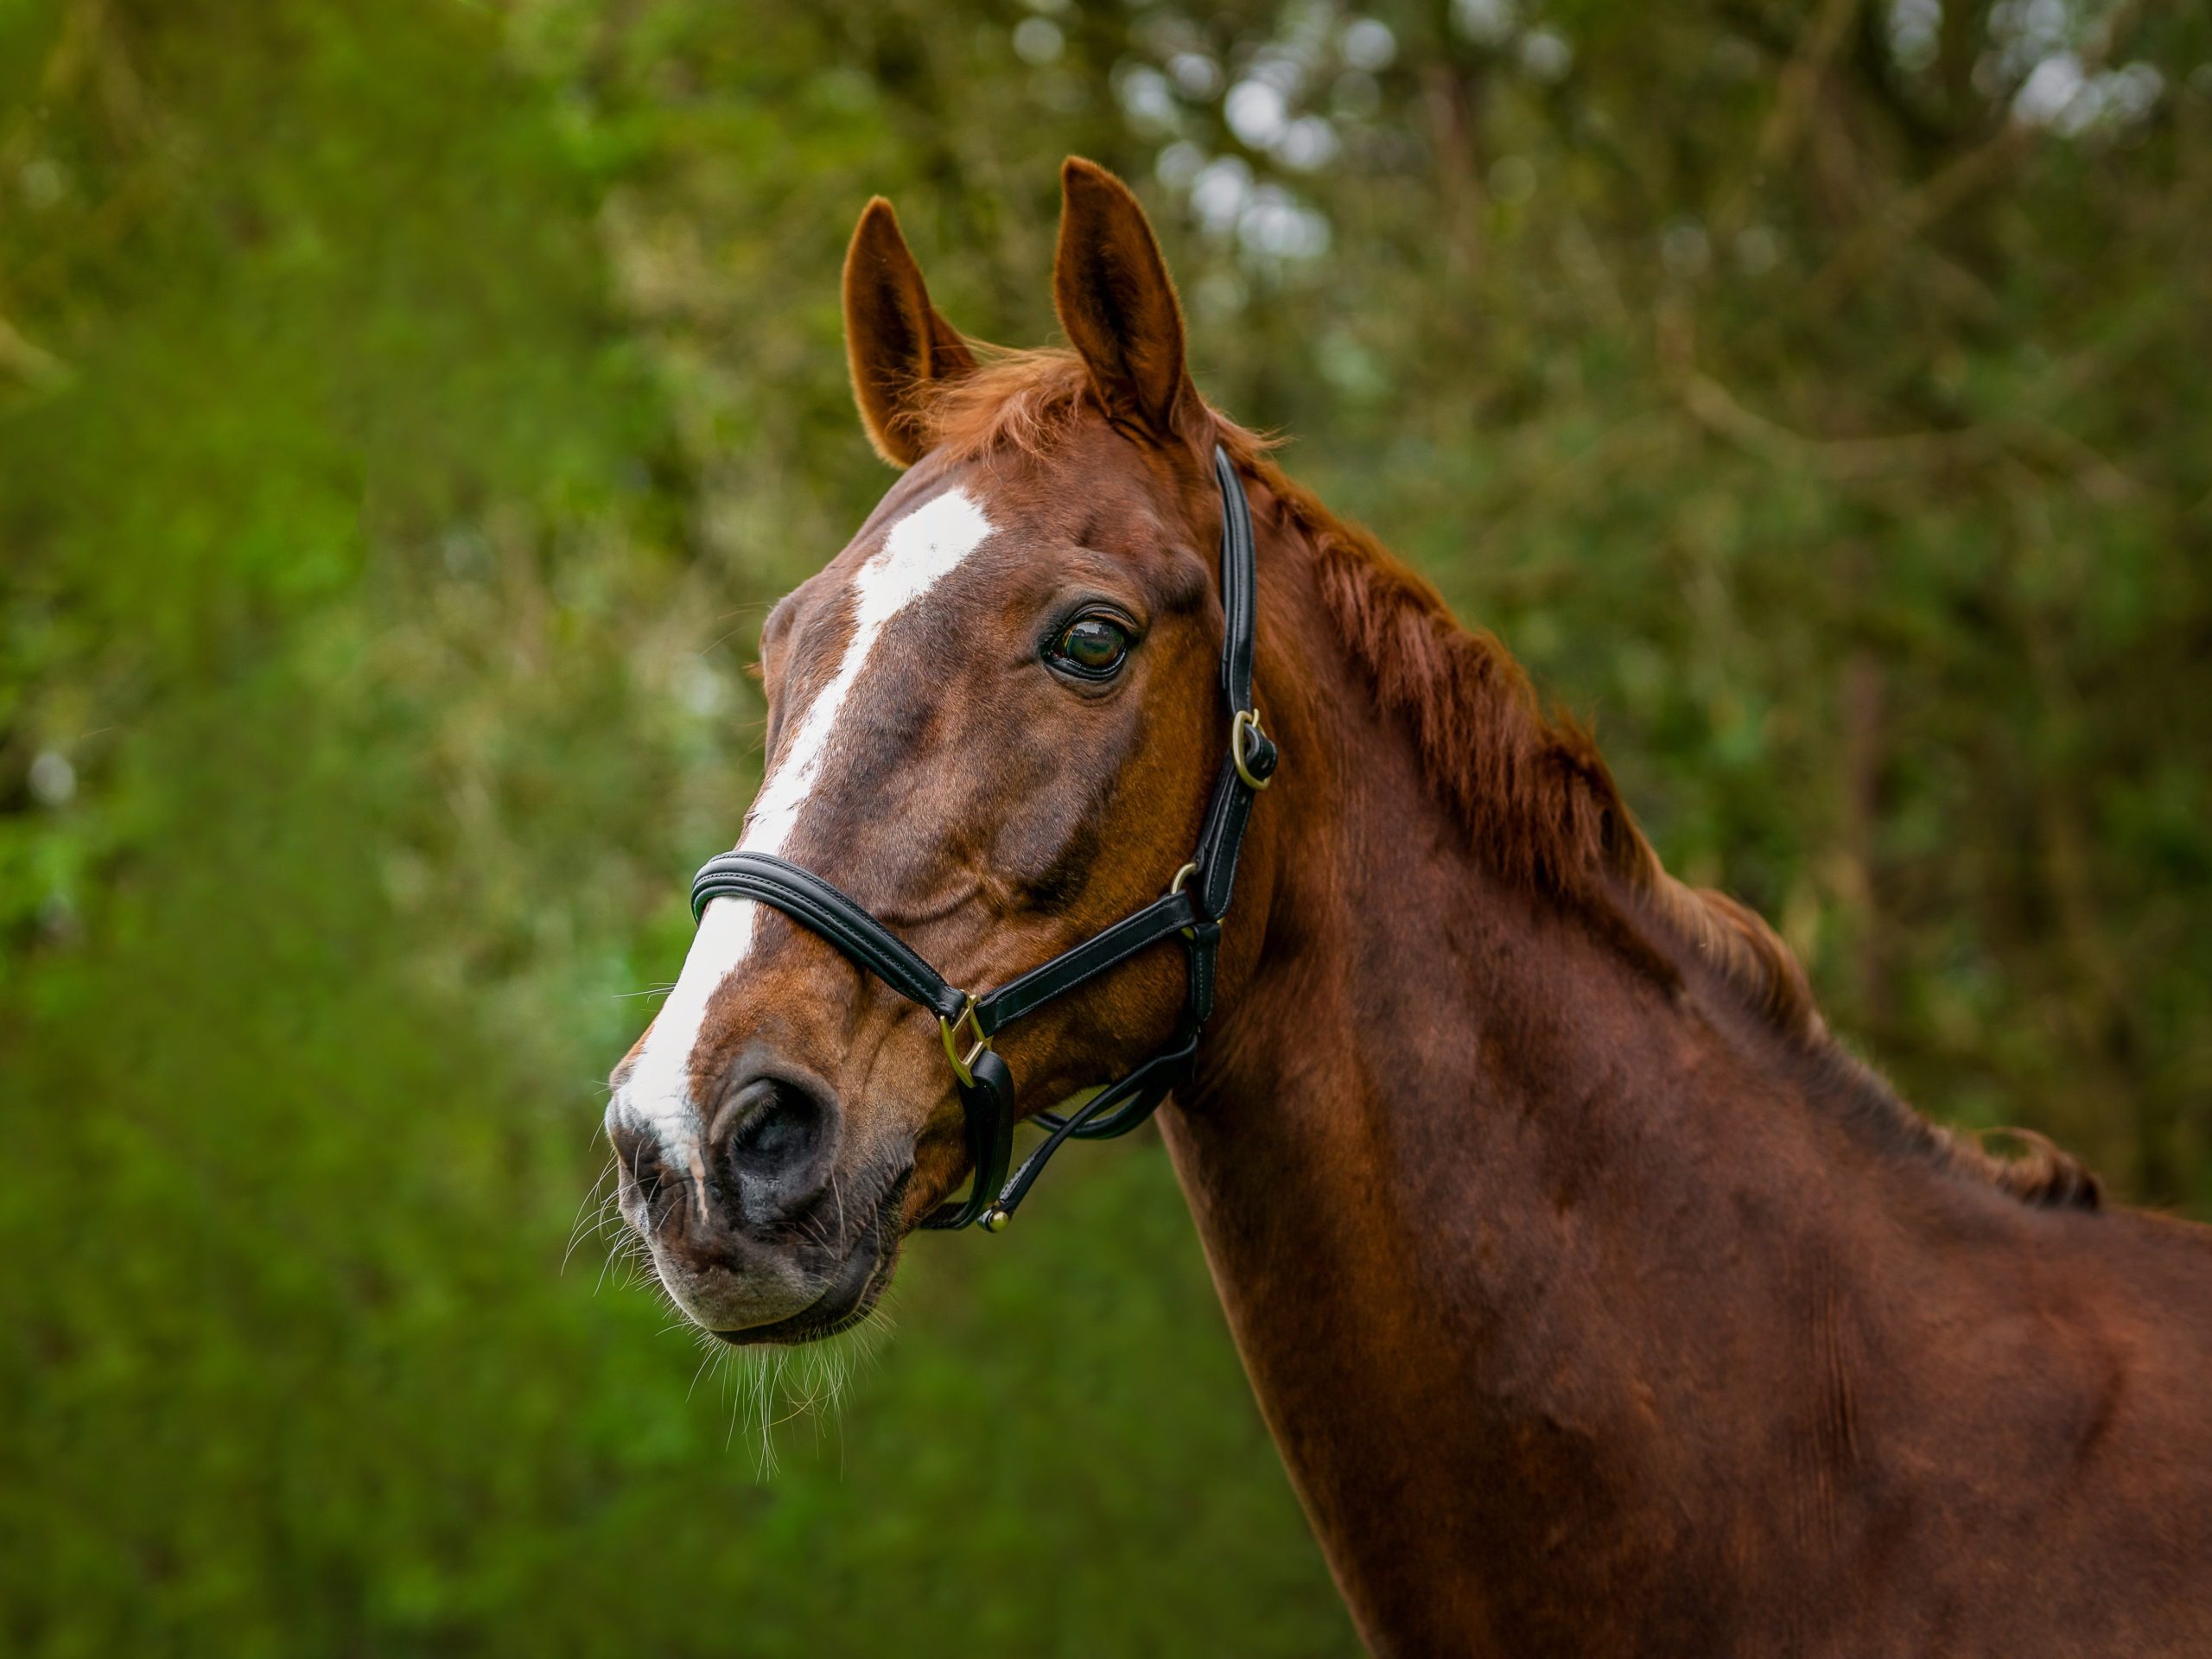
{"points": [[1599, 1302]]}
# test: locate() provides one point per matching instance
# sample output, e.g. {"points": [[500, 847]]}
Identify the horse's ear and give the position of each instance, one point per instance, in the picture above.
{"points": [[901, 350], [1117, 304]]}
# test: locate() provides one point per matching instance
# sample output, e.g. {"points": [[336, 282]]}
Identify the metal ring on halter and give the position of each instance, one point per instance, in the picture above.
{"points": [[1247, 721], [1175, 886]]}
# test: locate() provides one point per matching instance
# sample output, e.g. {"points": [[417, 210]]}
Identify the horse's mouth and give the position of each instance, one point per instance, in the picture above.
{"points": [[850, 1297]]}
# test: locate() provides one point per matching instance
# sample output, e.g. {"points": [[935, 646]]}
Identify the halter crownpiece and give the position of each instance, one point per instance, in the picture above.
{"points": [[1192, 910]]}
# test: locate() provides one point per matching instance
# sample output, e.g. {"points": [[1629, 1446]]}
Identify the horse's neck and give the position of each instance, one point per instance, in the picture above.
{"points": [[1462, 1171]]}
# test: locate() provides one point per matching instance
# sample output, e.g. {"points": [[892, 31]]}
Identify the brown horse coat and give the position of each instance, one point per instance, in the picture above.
{"points": [[1598, 1301]]}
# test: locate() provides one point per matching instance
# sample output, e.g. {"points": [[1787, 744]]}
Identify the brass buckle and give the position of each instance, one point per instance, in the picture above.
{"points": [[950, 1029], [1248, 720]]}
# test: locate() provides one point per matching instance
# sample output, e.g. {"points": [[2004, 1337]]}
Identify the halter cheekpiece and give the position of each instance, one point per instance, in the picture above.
{"points": [[970, 1023]]}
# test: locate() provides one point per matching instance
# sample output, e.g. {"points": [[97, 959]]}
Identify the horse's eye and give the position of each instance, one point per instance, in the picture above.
{"points": [[1094, 647]]}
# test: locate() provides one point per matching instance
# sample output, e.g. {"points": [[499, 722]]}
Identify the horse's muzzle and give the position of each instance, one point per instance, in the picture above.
{"points": [[751, 1227]]}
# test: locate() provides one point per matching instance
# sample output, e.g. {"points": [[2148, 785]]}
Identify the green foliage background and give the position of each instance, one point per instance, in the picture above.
{"points": [[405, 413]]}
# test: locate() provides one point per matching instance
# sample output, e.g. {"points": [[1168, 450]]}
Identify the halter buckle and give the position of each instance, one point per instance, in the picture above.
{"points": [[950, 1030], [1241, 730]]}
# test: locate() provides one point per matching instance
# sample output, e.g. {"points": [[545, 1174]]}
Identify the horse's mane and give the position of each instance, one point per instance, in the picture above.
{"points": [[1534, 793]]}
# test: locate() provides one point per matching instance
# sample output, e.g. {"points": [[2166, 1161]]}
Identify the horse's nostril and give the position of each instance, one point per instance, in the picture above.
{"points": [[777, 1130], [774, 1137]]}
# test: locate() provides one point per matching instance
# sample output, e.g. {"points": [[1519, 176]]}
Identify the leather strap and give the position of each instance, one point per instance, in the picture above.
{"points": [[1240, 585], [1131, 936], [987, 1107], [1231, 803], [1141, 1089], [816, 906]]}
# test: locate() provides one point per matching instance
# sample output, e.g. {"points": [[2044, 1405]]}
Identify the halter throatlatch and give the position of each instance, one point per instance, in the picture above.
{"points": [[1191, 910]]}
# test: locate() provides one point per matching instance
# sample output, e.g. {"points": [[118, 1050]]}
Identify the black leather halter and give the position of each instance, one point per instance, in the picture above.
{"points": [[1191, 909]]}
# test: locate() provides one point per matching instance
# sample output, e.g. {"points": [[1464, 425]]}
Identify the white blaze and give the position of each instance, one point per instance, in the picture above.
{"points": [[921, 550]]}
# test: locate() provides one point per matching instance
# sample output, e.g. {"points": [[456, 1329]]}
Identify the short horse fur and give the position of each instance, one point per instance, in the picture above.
{"points": [[1599, 1302]]}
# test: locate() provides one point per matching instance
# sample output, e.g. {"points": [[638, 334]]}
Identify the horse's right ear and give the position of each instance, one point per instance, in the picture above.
{"points": [[901, 350]]}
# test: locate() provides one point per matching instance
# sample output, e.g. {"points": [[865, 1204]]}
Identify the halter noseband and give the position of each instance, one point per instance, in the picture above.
{"points": [[1191, 909]]}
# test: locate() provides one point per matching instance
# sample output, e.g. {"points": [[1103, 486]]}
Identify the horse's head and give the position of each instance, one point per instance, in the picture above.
{"points": [[993, 719]]}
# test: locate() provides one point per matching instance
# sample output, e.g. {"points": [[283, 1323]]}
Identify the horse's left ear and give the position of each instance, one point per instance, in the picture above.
{"points": [[1117, 303]]}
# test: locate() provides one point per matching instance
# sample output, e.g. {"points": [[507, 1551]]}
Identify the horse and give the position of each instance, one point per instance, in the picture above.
{"points": [[1598, 1300]]}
